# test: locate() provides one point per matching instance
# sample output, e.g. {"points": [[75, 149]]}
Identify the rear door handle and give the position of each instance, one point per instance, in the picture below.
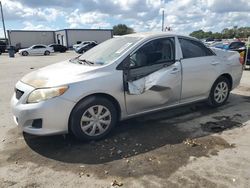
{"points": [[175, 70]]}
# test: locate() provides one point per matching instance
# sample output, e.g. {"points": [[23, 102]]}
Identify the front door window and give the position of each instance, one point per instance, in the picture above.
{"points": [[154, 52]]}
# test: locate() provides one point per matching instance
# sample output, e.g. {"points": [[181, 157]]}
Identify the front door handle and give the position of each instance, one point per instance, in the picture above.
{"points": [[214, 63], [175, 70]]}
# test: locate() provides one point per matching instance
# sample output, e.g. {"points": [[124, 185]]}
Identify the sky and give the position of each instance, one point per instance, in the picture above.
{"points": [[183, 16]]}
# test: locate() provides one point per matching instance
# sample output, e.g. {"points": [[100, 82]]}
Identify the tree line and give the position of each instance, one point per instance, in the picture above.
{"points": [[227, 33]]}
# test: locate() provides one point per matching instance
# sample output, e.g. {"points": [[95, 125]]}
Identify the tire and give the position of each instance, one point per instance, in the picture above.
{"points": [[46, 52], [25, 53], [85, 126], [220, 92]]}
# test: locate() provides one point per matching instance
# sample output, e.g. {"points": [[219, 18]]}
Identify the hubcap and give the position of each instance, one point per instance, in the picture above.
{"points": [[95, 120], [221, 92]]}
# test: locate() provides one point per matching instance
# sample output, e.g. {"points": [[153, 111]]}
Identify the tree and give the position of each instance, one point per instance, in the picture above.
{"points": [[122, 29], [198, 34]]}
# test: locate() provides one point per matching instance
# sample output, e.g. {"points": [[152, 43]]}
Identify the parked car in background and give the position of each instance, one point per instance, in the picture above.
{"points": [[248, 55], [229, 45], [85, 48], [3, 46], [38, 49], [209, 41], [237, 46], [75, 46], [218, 45], [58, 47], [121, 78], [248, 59]]}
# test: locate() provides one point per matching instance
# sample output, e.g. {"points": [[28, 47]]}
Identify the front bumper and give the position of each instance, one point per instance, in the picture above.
{"points": [[54, 113]]}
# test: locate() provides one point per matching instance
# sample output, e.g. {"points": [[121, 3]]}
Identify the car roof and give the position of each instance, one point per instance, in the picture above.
{"points": [[88, 41], [39, 45], [157, 34], [237, 42]]}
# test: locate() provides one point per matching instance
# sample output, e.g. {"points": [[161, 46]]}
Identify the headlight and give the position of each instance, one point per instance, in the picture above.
{"points": [[45, 94]]}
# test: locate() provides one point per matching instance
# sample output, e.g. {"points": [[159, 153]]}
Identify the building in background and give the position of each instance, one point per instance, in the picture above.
{"points": [[66, 37], [25, 38]]}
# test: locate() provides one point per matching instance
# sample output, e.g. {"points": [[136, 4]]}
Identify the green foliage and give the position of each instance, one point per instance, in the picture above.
{"points": [[122, 29], [235, 32]]}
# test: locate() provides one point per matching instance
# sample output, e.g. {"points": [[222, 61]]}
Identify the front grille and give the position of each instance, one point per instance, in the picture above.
{"points": [[19, 93]]}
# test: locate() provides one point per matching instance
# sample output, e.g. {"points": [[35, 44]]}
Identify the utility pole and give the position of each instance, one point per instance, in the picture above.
{"points": [[162, 27], [3, 22]]}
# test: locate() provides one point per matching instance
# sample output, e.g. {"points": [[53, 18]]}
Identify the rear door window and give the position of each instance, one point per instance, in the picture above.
{"points": [[191, 49]]}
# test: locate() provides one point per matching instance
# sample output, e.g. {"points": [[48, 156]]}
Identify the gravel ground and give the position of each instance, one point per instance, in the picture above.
{"points": [[192, 146]]}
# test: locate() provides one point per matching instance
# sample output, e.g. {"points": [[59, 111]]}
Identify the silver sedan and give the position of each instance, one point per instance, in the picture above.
{"points": [[122, 78]]}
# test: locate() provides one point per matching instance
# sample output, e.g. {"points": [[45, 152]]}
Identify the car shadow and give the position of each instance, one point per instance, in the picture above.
{"points": [[136, 136]]}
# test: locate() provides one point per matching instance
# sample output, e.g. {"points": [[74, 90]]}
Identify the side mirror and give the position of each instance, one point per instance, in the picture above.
{"points": [[125, 64]]}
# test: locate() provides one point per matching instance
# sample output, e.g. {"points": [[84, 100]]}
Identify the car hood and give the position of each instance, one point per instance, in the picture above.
{"points": [[24, 49], [59, 74]]}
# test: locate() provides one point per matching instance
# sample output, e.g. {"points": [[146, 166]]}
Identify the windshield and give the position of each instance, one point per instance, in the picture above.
{"points": [[109, 50]]}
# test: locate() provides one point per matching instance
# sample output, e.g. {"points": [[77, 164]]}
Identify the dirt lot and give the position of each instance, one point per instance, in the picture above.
{"points": [[193, 146]]}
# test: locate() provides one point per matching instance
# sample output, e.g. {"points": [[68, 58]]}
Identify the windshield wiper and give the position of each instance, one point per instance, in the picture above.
{"points": [[85, 61], [75, 58], [81, 61]]}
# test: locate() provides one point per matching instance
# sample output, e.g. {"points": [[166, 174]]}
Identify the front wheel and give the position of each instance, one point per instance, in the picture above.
{"points": [[93, 118], [46, 52], [25, 53], [219, 92]]}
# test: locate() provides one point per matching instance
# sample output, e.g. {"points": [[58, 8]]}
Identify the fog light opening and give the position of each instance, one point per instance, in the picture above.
{"points": [[37, 123]]}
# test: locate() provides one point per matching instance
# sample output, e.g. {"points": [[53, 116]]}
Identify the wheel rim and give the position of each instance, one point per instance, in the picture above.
{"points": [[95, 120], [221, 92]]}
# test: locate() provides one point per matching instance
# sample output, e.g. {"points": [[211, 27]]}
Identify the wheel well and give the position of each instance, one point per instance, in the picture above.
{"points": [[229, 77], [104, 95]]}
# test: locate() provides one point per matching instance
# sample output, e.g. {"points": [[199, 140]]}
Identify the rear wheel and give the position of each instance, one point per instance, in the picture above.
{"points": [[46, 52], [25, 53], [93, 118], [219, 92]]}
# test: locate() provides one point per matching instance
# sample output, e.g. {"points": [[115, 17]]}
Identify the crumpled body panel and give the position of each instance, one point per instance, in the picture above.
{"points": [[154, 80]]}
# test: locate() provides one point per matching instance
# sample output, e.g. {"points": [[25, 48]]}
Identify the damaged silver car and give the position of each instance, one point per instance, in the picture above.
{"points": [[121, 78]]}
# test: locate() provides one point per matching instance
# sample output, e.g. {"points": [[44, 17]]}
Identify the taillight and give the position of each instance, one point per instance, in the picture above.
{"points": [[242, 60]]}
